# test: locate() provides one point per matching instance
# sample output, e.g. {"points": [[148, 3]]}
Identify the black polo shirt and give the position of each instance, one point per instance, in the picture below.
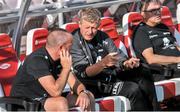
{"points": [[159, 38], [36, 65]]}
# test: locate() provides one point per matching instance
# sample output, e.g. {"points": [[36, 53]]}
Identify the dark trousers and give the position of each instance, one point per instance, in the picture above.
{"points": [[138, 87]]}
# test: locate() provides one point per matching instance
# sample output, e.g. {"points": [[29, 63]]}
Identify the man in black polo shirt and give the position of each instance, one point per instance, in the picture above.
{"points": [[46, 71], [104, 69], [153, 42]]}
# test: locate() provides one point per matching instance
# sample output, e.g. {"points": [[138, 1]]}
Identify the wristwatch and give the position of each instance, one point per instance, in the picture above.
{"points": [[84, 91]]}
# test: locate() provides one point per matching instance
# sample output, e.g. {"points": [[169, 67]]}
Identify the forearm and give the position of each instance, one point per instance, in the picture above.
{"points": [[178, 48], [95, 69], [80, 88], [163, 60], [75, 84], [62, 80]]}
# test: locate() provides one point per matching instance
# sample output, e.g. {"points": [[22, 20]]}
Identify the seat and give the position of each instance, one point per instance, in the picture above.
{"points": [[164, 89], [112, 103], [70, 27], [129, 22], [36, 38], [9, 64], [108, 25]]}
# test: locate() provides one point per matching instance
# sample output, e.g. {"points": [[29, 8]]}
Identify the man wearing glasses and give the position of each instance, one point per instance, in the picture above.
{"points": [[153, 42]]}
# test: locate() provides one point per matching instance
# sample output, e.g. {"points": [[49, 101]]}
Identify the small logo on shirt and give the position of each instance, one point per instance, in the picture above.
{"points": [[153, 36], [167, 44], [166, 33], [104, 42], [149, 32]]}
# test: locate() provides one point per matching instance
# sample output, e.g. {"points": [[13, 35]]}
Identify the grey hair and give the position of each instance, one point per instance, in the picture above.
{"points": [[90, 14]]}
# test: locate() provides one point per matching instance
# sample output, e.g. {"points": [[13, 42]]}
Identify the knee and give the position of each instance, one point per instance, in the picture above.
{"points": [[92, 102], [56, 104], [61, 103], [134, 90]]}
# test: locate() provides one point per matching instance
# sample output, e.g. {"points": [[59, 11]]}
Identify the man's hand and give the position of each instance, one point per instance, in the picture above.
{"points": [[83, 101], [65, 59], [131, 63], [111, 59]]}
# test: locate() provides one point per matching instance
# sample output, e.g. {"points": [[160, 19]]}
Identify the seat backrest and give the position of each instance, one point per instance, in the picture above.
{"points": [[108, 25], [8, 64], [36, 38], [130, 21], [70, 27], [166, 16]]}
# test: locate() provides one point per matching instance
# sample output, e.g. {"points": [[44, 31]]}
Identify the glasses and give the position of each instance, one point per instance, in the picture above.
{"points": [[154, 11]]}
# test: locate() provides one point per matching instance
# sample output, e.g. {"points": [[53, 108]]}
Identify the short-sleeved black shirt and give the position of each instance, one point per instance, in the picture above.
{"points": [[36, 65], [159, 38]]}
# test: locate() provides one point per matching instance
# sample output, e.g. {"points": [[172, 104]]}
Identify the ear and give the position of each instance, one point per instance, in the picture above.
{"points": [[60, 48]]}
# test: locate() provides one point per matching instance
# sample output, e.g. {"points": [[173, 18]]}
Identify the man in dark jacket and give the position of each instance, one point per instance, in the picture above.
{"points": [[102, 67]]}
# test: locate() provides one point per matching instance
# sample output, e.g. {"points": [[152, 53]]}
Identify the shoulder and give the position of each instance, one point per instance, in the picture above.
{"points": [[37, 56], [162, 26], [141, 26], [102, 35]]}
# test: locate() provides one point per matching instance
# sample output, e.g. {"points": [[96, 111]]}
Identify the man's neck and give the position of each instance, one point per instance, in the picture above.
{"points": [[51, 53], [151, 24]]}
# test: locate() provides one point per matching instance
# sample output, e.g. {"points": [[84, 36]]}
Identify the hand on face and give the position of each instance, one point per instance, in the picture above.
{"points": [[65, 59], [131, 63]]}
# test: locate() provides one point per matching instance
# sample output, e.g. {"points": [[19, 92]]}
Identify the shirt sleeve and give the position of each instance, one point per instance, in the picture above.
{"points": [[141, 40], [37, 67]]}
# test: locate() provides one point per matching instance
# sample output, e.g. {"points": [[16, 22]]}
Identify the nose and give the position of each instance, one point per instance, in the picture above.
{"points": [[158, 12], [90, 31]]}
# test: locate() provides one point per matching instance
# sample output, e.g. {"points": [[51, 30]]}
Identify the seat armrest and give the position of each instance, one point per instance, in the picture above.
{"points": [[27, 104]]}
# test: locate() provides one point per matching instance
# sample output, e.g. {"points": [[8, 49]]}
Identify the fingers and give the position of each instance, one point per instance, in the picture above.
{"points": [[65, 53], [83, 102], [131, 63]]}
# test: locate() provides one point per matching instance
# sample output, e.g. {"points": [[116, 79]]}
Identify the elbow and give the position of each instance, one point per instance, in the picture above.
{"points": [[55, 93]]}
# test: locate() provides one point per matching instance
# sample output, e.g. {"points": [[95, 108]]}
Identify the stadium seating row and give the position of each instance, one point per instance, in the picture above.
{"points": [[37, 37]]}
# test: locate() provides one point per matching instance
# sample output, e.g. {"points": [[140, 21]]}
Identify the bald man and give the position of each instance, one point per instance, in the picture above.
{"points": [[45, 73]]}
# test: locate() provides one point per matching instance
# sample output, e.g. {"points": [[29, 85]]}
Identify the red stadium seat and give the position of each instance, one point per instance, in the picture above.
{"points": [[36, 38], [108, 25], [70, 27], [8, 64], [112, 103], [130, 21]]}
